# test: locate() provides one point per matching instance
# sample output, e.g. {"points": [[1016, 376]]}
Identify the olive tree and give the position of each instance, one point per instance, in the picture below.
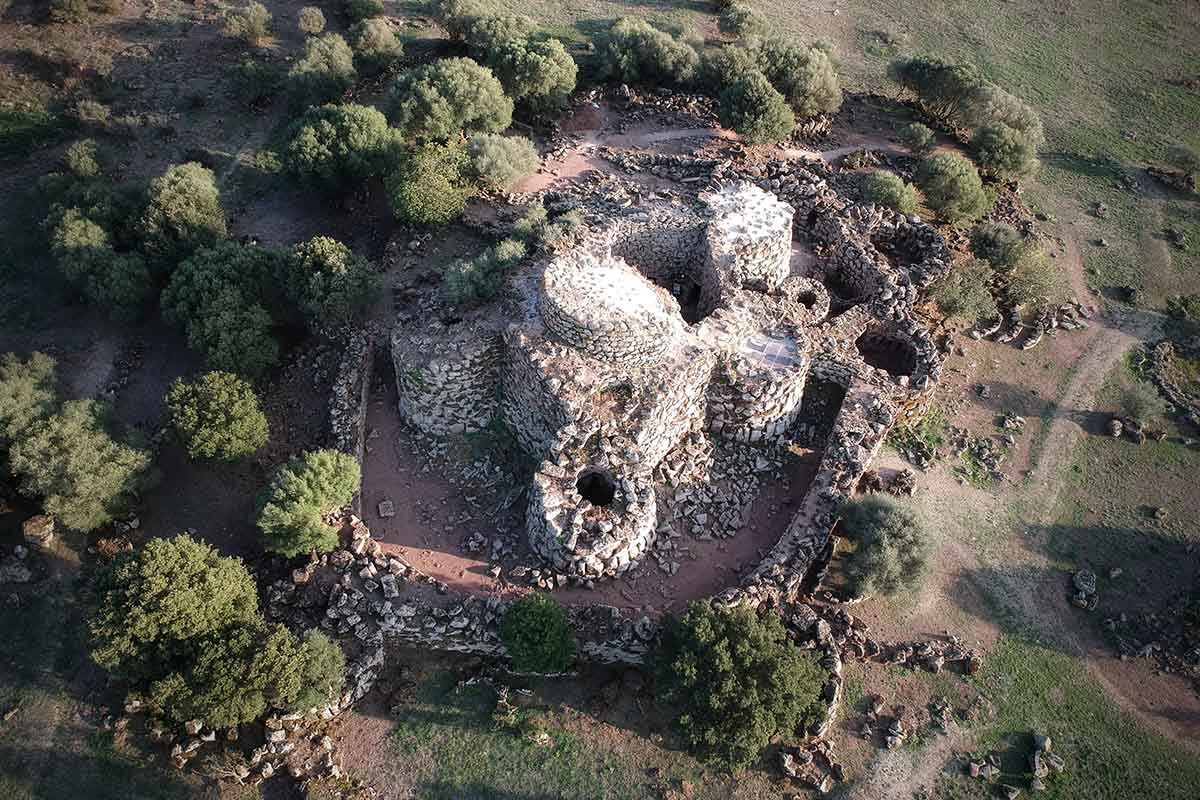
{"points": [[891, 546], [752, 107], [83, 475], [635, 51], [449, 96], [720, 68], [952, 187], [943, 90], [324, 73], [217, 417], [183, 214], [501, 162], [292, 508], [338, 147], [806, 76], [735, 681], [539, 76]]}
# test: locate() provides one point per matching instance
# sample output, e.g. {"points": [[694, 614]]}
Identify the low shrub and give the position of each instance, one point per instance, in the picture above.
{"points": [[217, 417], [539, 76], [183, 214], [69, 11], [255, 82], [1141, 402], [330, 284], [301, 492], [338, 147], [1003, 150], [742, 19], [358, 10], [720, 68], [966, 292], [481, 278], [537, 635], [736, 681], [324, 74], [118, 283], [311, 21], [431, 185], [889, 189], [375, 45], [918, 138], [892, 546], [1186, 160], [952, 187], [806, 76], [82, 159], [997, 243], [753, 108], [251, 24], [501, 162], [1036, 284]]}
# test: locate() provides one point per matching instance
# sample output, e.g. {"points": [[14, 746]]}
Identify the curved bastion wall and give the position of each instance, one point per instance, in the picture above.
{"points": [[595, 369]]}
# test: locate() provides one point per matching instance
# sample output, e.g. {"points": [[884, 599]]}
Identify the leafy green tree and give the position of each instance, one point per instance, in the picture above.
{"points": [[539, 76], [482, 277], [431, 186], [324, 74], [255, 82], [183, 214], [991, 105], [998, 244], [966, 292], [720, 68], [634, 51], [83, 475], [1035, 283], [322, 671], [359, 10], [806, 76], [952, 187], [311, 21], [217, 417], [290, 511], [892, 546], [28, 394], [330, 284], [82, 159], [501, 162], [1003, 150], [251, 24], [217, 296], [119, 283], [918, 138], [889, 189], [752, 107], [339, 147], [735, 680], [485, 32], [457, 16], [375, 45], [439, 100], [537, 635], [943, 90], [742, 19], [154, 606]]}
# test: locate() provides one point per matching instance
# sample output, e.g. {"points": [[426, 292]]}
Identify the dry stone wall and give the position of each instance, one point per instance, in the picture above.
{"points": [[447, 385]]}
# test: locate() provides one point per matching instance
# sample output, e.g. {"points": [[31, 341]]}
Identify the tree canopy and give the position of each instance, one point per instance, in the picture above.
{"points": [[440, 100], [301, 492]]}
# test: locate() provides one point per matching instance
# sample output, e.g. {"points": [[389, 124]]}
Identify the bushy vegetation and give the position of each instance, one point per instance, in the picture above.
{"points": [[183, 214], [752, 107], [1140, 401], [966, 292], [255, 82], [28, 394], [634, 51], [82, 159], [721, 67], [431, 186], [537, 635], [736, 681], [338, 147], [301, 492], [952, 187], [998, 244], [83, 475], [328, 283], [217, 417], [221, 298], [1035, 283], [251, 24], [485, 32], [742, 19], [1186, 160], [538, 76], [359, 10], [806, 76], [375, 45], [501, 162], [440, 100], [481, 278], [181, 623], [69, 11], [536, 229], [1006, 131], [118, 283], [324, 74], [311, 21], [919, 138], [891, 546], [889, 189]]}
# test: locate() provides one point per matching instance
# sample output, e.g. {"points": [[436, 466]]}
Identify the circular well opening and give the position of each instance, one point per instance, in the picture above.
{"points": [[597, 487]]}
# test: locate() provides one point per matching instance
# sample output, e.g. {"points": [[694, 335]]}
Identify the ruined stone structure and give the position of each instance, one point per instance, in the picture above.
{"points": [[666, 325]]}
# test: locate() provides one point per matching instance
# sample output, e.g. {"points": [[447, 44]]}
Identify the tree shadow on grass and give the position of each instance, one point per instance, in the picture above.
{"points": [[96, 773]]}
